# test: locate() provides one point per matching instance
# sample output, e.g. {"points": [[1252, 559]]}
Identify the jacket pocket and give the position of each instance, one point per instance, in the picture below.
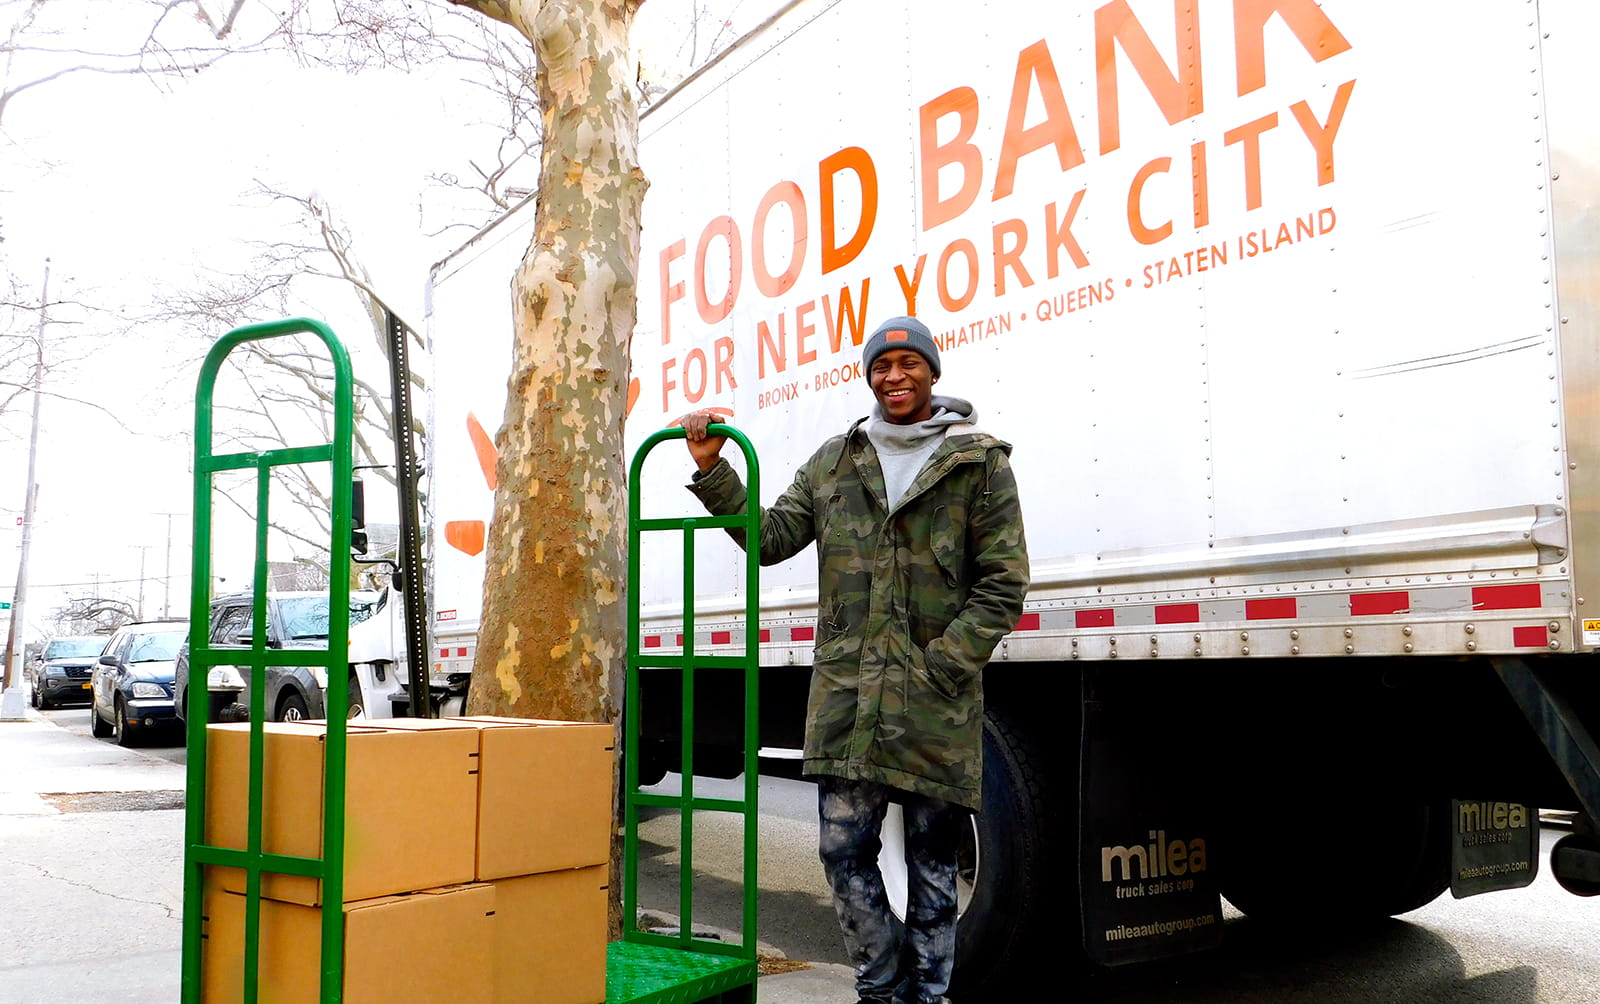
{"points": [[937, 677], [831, 525], [945, 537], [831, 626]]}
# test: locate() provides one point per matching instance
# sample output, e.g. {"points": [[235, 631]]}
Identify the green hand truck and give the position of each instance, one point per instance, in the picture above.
{"points": [[203, 656], [651, 968]]}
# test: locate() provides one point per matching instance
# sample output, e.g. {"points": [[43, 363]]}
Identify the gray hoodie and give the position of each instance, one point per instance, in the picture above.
{"points": [[904, 449]]}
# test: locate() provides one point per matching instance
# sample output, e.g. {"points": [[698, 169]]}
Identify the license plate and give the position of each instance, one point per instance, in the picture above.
{"points": [[85, 686]]}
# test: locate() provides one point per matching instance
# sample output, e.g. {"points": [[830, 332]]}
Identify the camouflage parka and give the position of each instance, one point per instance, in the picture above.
{"points": [[911, 603]]}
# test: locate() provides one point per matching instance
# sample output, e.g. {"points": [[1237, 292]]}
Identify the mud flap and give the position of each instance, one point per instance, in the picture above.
{"points": [[1494, 846], [1147, 888]]}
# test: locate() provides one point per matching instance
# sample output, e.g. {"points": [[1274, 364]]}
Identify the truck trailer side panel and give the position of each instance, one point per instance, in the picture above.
{"points": [[1289, 312]]}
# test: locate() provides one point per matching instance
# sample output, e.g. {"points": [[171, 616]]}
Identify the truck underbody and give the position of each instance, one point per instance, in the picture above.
{"points": [[1339, 773]]}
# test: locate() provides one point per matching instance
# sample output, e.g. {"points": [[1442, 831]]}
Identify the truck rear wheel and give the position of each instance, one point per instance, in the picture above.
{"points": [[1007, 882], [1391, 857], [1024, 893]]}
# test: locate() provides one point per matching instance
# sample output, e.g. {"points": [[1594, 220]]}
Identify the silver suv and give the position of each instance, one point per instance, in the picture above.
{"points": [[295, 620]]}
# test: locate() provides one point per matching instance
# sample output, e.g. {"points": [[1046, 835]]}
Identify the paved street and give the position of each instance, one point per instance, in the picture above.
{"points": [[91, 855], [90, 887], [91, 881]]}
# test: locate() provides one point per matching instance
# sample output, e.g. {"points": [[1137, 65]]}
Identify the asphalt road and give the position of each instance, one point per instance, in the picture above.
{"points": [[166, 743], [1538, 945]]}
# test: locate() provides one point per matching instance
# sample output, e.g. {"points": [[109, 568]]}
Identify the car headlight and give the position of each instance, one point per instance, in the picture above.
{"points": [[149, 690], [224, 678], [321, 676]]}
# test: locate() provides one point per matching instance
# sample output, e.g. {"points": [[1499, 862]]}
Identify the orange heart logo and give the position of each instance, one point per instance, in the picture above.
{"points": [[483, 446], [465, 535]]}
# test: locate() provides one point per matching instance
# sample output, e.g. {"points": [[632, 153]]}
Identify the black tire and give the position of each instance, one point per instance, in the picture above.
{"points": [[652, 767], [119, 727], [1393, 857], [98, 727], [292, 707], [1024, 905], [35, 698]]}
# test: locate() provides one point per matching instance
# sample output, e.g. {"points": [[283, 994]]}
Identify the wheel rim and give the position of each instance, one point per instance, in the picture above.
{"points": [[292, 711], [892, 863], [116, 722]]}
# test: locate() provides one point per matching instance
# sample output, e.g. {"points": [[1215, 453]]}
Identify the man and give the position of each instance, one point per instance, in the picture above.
{"points": [[922, 568]]}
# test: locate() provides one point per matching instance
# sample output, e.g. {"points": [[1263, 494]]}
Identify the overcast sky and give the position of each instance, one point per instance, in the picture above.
{"points": [[128, 185]]}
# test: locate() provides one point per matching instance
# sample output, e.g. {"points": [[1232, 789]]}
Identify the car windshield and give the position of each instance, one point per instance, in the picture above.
{"points": [[157, 647], [71, 648], [306, 617]]}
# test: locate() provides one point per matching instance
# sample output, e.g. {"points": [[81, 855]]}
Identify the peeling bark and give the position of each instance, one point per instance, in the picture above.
{"points": [[551, 641]]}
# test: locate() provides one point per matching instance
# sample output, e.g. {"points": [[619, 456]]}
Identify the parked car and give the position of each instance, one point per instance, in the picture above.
{"points": [[226, 686], [132, 681], [294, 620], [61, 673]]}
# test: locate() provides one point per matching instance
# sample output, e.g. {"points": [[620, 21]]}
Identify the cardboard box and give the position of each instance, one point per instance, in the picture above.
{"points": [[435, 945], [544, 796], [544, 792], [410, 806], [550, 938]]}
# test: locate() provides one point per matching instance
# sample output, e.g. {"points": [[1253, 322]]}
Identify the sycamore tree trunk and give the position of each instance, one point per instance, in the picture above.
{"points": [[551, 642]]}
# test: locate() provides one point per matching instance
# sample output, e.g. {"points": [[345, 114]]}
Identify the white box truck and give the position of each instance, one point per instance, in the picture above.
{"points": [[1289, 310]]}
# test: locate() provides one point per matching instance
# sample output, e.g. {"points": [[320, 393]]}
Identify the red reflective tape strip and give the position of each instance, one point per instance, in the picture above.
{"points": [[1178, 613], [1104, 617], [1517, 597], [1367, 604], [461, 652], [766, 635], [679, 642], [1027, 622], [444, 653], [652, 641], [1276, 608], [722, 637], [802, 634], [1530, 637]]}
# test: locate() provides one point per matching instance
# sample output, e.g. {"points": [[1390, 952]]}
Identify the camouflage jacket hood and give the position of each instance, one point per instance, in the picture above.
{"points": [[911, 603]]}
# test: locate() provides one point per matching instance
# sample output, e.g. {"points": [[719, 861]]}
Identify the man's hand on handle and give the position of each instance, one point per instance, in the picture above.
{"points": [[705, 449]]}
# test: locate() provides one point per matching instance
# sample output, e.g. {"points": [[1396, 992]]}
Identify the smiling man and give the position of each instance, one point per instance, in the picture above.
{"points": [[921, 569]]}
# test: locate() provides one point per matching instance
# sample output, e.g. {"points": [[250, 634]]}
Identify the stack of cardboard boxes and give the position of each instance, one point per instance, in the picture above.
{"points": [[475, 861]]}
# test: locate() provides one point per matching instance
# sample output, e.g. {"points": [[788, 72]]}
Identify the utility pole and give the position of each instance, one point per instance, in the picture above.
{"points": [[13, 701], [143, 549], [166, 590], [166, 577]]}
